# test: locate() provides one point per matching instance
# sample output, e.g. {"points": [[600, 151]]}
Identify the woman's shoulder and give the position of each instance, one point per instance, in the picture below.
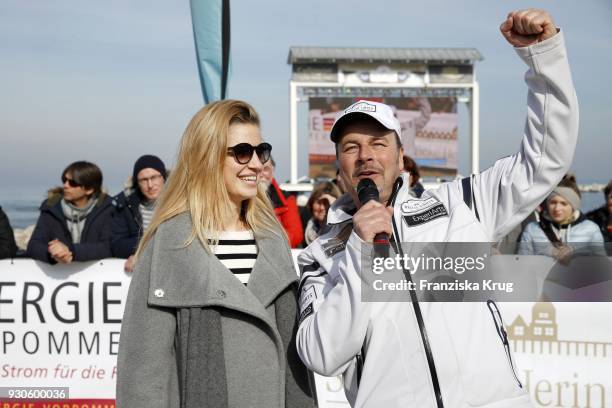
{"points": [[588, 225], [532, 227], [175, 227], [171, 234], [275, 247]]}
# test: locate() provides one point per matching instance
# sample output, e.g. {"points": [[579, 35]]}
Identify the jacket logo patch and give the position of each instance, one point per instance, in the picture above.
{"points": [[414, 206], [430, 214], [306, 312], [308, 295], [333, 246]]}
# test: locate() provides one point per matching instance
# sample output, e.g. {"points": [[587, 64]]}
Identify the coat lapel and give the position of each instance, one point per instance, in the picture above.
{"points": [[187, 276], [274, 270]]}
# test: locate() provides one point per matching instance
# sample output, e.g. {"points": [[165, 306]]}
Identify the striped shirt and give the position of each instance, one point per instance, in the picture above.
{"points": [[146, 212], [237, 252]]}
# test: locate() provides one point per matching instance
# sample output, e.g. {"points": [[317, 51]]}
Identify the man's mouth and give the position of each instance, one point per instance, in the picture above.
{"points": [[367, 174]]}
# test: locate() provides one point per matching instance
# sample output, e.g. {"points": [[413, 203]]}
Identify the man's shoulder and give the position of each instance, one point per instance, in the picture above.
{"points": [[332, 241], [104, 206], [125, 199]]}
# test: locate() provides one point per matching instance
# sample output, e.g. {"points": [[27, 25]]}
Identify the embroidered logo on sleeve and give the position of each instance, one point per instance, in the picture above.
{"points": [[429, 214], [307, 297], [306, 312], [337, 243]]}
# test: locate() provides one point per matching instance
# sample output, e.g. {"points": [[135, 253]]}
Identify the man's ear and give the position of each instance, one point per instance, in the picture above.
{"points": [[89, 192], [400, 159]]}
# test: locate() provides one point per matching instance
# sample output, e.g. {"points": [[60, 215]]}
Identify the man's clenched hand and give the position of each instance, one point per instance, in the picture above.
{"points": [[527, 27]]}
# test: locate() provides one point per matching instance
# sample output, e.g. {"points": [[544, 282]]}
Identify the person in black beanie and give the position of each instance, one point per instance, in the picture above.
{"points": [[134, 207]]}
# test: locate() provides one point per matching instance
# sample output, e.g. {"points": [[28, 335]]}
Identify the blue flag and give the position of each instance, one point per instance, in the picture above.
{"points": [[211, 33]]}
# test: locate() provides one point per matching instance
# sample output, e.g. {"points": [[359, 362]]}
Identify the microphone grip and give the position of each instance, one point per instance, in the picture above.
{"points": [[381, 238], [381, 245]]}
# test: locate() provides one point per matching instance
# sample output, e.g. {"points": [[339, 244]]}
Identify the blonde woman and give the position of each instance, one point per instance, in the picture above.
{"points": [[211, 310]]}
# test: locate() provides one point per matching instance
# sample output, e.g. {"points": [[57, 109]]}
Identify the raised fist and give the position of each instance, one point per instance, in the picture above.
{"points": [[527, 27]]}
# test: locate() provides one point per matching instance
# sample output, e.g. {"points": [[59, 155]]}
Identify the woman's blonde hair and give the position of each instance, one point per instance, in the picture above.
{"points": [[196, 183]]}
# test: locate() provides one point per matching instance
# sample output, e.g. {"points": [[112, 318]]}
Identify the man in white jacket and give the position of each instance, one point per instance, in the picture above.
{"points": [[414, 354]]}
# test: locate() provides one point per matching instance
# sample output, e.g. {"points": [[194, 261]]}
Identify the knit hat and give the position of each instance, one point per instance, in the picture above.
{"points": [[569, 194], [145, 162]]}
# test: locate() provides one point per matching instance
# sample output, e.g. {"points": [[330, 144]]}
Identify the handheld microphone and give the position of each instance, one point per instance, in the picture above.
{"points": [[366, 191]]}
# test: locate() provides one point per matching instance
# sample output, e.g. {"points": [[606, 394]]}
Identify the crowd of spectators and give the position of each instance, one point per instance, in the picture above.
{"points": [[80, 222]]}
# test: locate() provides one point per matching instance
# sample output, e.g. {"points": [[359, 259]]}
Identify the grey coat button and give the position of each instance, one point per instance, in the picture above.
{"points": [[159, 293], [221, 294]]}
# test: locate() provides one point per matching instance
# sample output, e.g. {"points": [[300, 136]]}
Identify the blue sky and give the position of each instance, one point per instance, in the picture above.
{"points": [[109, 81]]}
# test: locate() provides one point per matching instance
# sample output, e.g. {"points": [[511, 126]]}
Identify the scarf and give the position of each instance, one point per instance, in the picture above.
{"points": [[76, 217], [201, 363]]}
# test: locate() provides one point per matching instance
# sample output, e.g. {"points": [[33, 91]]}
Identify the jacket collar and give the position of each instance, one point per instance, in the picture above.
{"points": [[344, 208], [188, 276]]}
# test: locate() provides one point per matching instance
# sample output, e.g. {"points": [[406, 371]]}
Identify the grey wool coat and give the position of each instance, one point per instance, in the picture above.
{"points": [[194, 336]]}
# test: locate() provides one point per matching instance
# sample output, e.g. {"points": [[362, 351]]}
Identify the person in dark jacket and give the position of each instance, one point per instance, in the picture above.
{"points": [[602, 216], [134, 207], [8, 247], [75, 220]]}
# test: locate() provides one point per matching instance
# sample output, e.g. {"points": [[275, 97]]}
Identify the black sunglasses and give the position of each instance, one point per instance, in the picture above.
{"points": [[244, 151], [71, 182]]}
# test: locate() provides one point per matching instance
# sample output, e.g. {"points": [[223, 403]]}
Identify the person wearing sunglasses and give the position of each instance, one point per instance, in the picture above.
{"points": [[75, 220], [212, 306], [134, 207]]}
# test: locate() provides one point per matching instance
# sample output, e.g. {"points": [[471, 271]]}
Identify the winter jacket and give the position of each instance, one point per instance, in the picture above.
{"points": [[8, 247], [600, 217], [51, 224], [582, 235], [286, 210], [436, 353], [194, 336], [126, 224]]}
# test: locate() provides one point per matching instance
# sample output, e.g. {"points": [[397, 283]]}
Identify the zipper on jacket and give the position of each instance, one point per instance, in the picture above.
{"points": [[503, 335], [417, 310]]}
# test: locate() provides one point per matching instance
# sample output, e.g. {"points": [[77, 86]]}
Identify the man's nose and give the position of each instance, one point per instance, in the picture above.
{"points": [[365, 153]]}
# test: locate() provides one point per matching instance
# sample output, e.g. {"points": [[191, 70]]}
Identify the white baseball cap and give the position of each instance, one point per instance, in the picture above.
{"points": [[382, 113]]}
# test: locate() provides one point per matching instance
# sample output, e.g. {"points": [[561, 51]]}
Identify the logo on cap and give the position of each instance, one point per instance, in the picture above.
{"points": [[361, 107]]}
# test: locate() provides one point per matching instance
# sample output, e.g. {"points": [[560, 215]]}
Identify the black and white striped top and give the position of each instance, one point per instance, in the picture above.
{"points": [[237, 252]]}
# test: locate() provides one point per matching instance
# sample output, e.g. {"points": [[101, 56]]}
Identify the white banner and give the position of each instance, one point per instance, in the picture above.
{"points": [[59, 327]]}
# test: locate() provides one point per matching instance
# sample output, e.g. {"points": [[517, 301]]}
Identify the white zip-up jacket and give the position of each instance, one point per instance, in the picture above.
{"points": [[466, 341]]}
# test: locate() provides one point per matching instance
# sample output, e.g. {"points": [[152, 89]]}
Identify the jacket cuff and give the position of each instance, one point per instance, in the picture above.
{"points": [[71, 247], [355, 243], [556, 41]]}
